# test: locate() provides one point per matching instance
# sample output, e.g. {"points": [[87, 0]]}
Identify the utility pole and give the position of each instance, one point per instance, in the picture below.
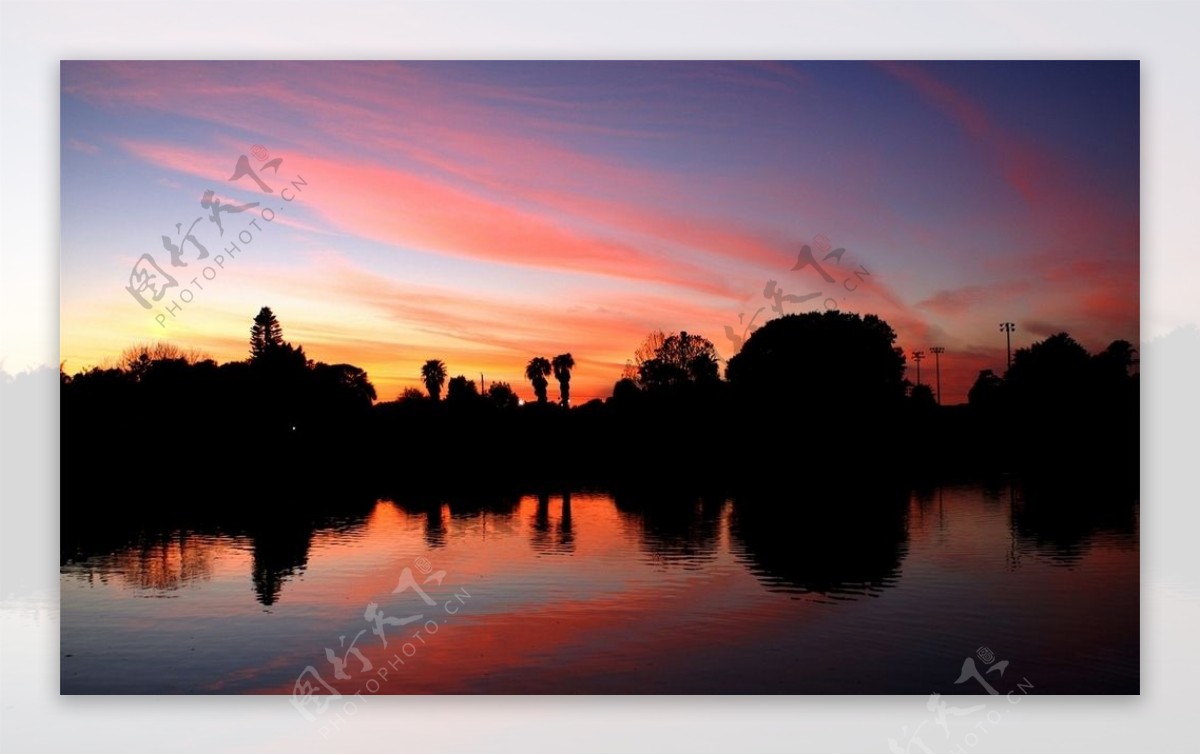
{"points": [[937, 360], [917, 357], [1008, 328]]}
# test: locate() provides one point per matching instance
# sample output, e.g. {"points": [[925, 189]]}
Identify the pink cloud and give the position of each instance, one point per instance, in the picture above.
{"points": [[958, 301], [409, 210]]}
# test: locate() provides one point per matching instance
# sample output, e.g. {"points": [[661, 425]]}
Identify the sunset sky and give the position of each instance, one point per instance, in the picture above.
{"points": [[485, 213]]}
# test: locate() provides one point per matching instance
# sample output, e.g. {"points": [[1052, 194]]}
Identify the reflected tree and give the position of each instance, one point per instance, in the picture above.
{"points": [[839, 543]]}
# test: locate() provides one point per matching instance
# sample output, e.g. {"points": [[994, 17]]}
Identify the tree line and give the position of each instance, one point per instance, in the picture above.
{"points": [[808, 400]]}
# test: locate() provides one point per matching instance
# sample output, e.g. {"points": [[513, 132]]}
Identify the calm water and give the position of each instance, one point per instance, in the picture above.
{"points": [[600, 593]]}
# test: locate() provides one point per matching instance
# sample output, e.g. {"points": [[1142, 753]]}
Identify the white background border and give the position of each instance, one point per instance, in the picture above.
{"points": [[34, 36]]}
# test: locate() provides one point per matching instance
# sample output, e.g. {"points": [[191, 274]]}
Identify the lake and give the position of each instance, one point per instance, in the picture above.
{"points": [[621, 592]]}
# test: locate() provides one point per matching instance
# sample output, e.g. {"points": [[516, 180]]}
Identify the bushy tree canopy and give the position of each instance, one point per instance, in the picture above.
{"points": [[831, 359]]}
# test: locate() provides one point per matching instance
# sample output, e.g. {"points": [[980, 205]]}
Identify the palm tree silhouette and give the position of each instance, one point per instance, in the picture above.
{"points": [[433, 374], [562, 366], [537, 370]]}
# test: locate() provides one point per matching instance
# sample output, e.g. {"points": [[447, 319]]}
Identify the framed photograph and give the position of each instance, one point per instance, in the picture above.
{"points": [[694, 377]]}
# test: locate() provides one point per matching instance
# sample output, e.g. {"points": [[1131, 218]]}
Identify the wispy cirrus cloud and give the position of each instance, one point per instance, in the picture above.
{"points": [[81, 146], [408, 210]]}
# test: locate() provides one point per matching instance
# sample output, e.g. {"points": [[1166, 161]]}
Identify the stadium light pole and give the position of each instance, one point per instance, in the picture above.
{"points": [[1008, 328], [937, 361]]}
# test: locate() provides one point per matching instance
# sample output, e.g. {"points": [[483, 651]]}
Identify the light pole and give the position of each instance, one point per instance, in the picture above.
{"points": [[937, 361], [917, 357], [1008, 328]]}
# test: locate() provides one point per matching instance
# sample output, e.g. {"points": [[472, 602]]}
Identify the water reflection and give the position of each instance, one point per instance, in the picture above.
{"points": [[280, 545], [440, 512], [164, 556], [549, 537], [836, 545], [629, 591], [165, 564], [673, 529], [840, 545], [1061, 522], [279, 553], [500, 504], [428, 505]]}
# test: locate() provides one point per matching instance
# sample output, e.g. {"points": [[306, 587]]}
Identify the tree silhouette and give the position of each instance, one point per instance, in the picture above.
{"points": [[625, 392], [835, 374], [411, 394], [502, 396], [704, 368], [281, 364], [922, 397], [562, 366], [460, 390], [136, 359], [822, 361], [987, 391], [266, 334], [1048, 376], [642, 354], [1057, 396], [680, 358], [536, 371], [433, 374], [347, 380], [1115, 361]]}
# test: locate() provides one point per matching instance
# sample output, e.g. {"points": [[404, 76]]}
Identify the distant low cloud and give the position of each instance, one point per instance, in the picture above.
{"points": [[1043, 329], [953, 302]]}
